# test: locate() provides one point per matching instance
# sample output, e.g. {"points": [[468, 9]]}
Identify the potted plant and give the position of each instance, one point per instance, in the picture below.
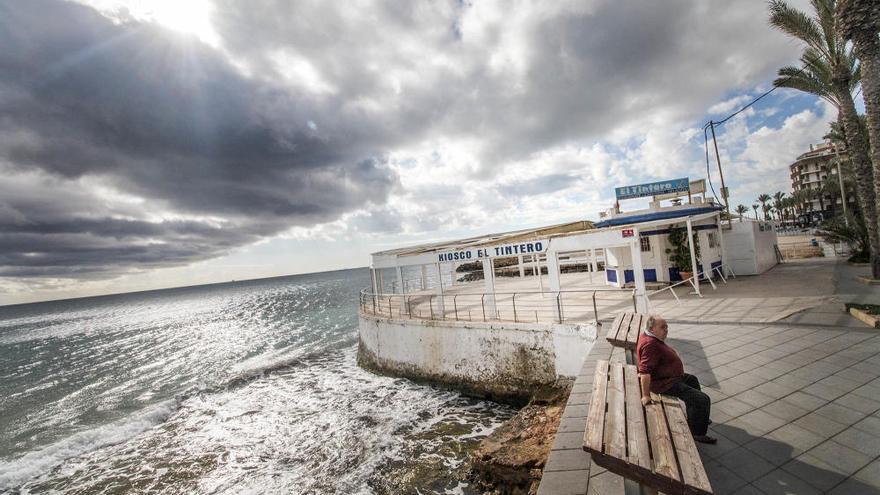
{"points": [[680, 253]]}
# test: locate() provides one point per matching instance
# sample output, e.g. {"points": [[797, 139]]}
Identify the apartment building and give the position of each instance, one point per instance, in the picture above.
{"points": [[809, 172]]}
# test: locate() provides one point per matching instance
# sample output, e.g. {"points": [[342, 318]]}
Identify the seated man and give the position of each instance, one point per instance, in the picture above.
{"points": [[662, 372]]}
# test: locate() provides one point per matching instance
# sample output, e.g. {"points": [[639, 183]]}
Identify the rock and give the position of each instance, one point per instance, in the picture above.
{"points": [[510, 461]]}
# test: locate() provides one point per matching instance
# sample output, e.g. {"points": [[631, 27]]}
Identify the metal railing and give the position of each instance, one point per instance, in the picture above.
{"points": [[719, 269], [517, 307]]}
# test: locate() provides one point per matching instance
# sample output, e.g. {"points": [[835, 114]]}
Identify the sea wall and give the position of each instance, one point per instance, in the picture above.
{"points": [[508, 362]]}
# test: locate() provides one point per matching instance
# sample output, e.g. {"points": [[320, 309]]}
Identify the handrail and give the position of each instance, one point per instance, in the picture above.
{"points": [[690, 280], [495, 308]]}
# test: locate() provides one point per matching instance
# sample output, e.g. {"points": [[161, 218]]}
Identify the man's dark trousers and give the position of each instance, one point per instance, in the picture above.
{"points": [[697, 402]]}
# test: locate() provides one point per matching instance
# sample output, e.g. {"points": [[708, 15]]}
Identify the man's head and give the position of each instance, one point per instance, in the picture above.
{"points": [[658, 327]]}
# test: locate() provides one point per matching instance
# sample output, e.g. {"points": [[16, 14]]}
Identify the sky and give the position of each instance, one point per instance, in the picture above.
{"points": [[157, 144]]}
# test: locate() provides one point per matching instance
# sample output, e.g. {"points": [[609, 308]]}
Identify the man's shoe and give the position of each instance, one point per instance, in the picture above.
{"points": [[705, 439]]}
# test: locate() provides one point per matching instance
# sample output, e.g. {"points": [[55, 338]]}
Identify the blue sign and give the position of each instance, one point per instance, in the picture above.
{"points": [[653, 188]]}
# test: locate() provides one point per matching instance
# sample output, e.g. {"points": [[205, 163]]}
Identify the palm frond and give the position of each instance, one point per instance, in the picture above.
{"points": [[798, 24]]}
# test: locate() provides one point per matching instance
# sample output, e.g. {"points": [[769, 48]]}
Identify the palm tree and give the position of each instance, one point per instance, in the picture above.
{"points": [[777, 196], [859, 21], [741, 211], [830, 71], [755, 207], [763, 198]]}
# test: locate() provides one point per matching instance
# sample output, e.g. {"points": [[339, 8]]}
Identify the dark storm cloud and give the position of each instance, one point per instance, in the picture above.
{"points": [[576, 70], [166, 119]]}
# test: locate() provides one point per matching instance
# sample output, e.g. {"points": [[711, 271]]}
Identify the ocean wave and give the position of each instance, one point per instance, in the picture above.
{"points": [[35, 463]]}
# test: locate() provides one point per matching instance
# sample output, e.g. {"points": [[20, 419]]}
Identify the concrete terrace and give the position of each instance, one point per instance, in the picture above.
{"points": [[796, 400]]}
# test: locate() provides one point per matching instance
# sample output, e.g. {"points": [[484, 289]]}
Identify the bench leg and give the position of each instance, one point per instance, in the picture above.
{"points": [[631, 487], [630, 356]]}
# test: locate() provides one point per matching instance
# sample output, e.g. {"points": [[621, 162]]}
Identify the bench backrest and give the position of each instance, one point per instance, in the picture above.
{"points": [[625, 330], [649, 444]]}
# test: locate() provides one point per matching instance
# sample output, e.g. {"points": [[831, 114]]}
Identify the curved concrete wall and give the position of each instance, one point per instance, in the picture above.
{"points": [[501, 361]]}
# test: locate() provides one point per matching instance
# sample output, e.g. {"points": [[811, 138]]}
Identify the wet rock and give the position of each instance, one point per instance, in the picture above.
{"points": [[511, 459]]}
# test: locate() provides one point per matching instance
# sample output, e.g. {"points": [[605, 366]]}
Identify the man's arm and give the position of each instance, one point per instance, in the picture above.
{"points": [[645, 381], [648, 360]]}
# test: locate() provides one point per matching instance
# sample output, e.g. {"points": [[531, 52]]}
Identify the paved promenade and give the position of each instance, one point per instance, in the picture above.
{"points": [[796, 401]]}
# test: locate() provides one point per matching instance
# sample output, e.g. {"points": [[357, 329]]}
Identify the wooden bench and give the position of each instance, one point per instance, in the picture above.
{"points": [[650, 445], [625, 331]]}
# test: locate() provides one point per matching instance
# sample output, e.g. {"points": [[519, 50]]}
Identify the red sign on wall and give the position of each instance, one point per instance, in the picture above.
{"points": [[627, 232]]}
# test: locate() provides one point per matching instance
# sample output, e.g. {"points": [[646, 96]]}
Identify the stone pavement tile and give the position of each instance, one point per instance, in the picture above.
{"points": [[723, 480], [856, 376], [582, 388], [732, 407], [773, 451], [870, 390], [859, 403], [853, 486], [820, 424], [604, 483], [871, 424], [798, 439], [569, 425], [596, 469], [724, 372], [784, 410], [748, 490], [711, 451], [564, 483], [839, 384], [870, 474], [745, 464], [567, 460], [841, 457], [826, 392], [805, 401], [713, 394], [575, 411], [754, 398], [757, 422], [793, 381], [775, 390], [841, 414], [781, 482], [575, 399], [859, 440], [815, 472], [573, 440]]}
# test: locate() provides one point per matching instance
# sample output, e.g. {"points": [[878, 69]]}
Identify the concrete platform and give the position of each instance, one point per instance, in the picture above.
{"points": [[796, 401]]}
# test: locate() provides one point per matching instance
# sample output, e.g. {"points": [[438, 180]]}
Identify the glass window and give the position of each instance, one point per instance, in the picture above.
{"points": [[713, 241], [645, 242]]}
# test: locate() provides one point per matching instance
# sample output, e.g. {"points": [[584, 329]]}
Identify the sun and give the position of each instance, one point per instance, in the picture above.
{"points": [[191, 17]]}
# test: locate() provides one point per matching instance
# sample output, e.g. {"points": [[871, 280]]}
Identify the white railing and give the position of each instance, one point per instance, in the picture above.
{"points": [[518, 307], [671, 288]]}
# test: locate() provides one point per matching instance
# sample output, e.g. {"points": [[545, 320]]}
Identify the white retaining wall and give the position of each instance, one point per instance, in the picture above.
{"points": [[501, 360]]}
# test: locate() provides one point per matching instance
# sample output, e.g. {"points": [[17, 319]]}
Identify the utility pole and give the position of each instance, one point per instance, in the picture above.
{"points": [[724, 194]]}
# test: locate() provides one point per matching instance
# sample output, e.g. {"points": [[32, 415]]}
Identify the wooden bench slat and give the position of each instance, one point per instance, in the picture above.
{"points": [[615, 418], [624, 327], [635, 326], [637, 433], [692, 472], [661, 441], [596, 415], [611, 336]]}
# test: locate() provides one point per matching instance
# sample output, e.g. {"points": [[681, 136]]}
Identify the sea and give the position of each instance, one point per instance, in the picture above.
{"points": [[241, 387]]}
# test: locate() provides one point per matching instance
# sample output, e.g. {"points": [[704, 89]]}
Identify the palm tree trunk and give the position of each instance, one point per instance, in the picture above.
{"points": [[858, 20], [867, 48], [858, 152]]}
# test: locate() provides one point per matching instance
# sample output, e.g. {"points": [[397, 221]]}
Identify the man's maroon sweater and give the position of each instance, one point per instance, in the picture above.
{"points": [[660, 361]]}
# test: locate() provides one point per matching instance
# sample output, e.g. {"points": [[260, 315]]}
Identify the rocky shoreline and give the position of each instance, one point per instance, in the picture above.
{"points": [[510, 461]]}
